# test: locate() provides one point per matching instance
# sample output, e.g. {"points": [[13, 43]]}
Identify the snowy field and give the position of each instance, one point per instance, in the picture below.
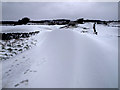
{"points": [[62, 58]]}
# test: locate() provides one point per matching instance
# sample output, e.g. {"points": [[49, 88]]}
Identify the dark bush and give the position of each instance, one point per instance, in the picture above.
{"points": [[24, 20]]}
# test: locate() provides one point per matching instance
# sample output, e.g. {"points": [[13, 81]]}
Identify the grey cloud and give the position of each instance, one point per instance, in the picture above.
{"points": [[54, 10]]}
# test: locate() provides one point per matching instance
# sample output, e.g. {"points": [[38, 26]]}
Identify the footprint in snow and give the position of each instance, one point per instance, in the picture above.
{"points": [[26, 71], [12, 65], [33, 71], [15, 61], [8, 71], [22, 82]]}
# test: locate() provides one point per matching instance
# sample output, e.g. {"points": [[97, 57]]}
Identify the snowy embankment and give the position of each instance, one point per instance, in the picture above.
{"points": [[17, 39], [66, 58]]}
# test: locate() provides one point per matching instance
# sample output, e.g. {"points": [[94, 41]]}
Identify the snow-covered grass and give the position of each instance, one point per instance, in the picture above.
{"points": [[13, 47], [65, 58]]}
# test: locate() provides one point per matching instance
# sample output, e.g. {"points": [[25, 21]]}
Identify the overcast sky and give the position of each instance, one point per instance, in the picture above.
{"points": [[57, 10]]}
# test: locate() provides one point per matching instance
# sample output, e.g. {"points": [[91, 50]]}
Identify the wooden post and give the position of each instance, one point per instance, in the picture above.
{"points": [[94, 28]]}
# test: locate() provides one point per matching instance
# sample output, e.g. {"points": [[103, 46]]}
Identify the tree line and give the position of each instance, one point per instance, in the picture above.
{"points": [[27, 20]]}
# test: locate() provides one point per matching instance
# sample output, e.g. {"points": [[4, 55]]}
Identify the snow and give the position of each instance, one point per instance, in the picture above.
{"points": [[65, 58], [27, 28]]}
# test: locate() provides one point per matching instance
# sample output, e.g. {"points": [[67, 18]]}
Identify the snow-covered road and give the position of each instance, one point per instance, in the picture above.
{"points": [[65, 59]]}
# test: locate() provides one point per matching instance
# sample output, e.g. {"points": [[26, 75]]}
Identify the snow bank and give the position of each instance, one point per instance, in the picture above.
{"points": [[64, 58], [27, 28]]}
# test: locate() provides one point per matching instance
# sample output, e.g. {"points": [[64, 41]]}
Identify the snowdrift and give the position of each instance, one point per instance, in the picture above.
{"points": [[65, 58]]}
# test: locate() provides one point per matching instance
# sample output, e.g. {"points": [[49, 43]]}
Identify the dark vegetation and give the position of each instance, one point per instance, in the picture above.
{"points": [[13, 47], [27, 21], [19, 22], [8, 36]]}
